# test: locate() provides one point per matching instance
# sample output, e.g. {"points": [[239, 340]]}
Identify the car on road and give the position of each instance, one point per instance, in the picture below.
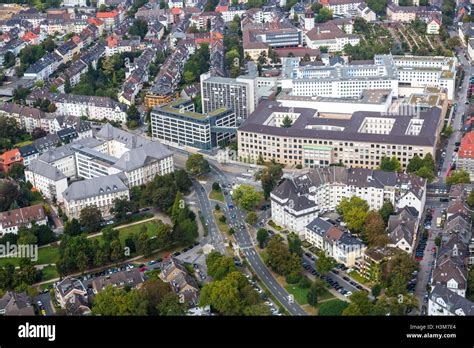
{"points": [[143, 269], [43, 312], [347, 279], [39, 303], [334, 271]]}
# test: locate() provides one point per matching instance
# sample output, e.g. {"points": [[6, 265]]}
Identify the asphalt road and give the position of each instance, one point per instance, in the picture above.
{"points": [[214, 237], [460, 97], [246, 245]]}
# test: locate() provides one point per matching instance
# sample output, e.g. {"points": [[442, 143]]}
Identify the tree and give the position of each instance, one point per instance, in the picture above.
{"points": [[386, 210], [312, 297], [425, 173], [246, 196], [139, 28], [376, 289], [115, 302], [183, 182], [196, 164], [324, 264], [287, 122], [123, 207], [251, 218], [154, 291], [374, 230], [400, 264], [354, 212], [143, 242], [324, 15], [294, 244], [219, 266], [189, 77], [332, 308], [360, 305], [414, 164], [458, 177], [280, 259], [269, 177], [378, 6], [72, 227], [16, 171], [453, 42], [116, 252], [390, 164], [448, 130], [470, 199], [223, 296], [262, 237], [164, 234], [91, 218], [9, 193], [170, 305]]}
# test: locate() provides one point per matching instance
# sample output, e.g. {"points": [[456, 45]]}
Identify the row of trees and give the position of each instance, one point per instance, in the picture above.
{"points": [[10, 133], [15, 195], [19, 279], [369, 224], [230, 293], [154, 297], [197, 64]]}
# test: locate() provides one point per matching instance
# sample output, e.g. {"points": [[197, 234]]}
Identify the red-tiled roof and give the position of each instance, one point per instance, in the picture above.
{"points": [[466, 150], [112, 14]]}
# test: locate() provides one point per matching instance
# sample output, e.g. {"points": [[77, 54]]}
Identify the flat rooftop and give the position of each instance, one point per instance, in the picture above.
{"points": [[374, 96], [344, 129]]}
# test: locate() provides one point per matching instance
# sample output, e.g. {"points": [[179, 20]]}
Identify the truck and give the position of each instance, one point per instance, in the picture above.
{"points": [[439, 221]]}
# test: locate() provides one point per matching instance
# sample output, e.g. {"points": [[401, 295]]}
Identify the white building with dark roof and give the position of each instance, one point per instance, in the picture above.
{"points": [[99, 191], [12, 220], [402, 229], [46, 178], [443, 302], [300, 199]]}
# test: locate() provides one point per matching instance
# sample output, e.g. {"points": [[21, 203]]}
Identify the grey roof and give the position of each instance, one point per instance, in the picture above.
{"points": [[28, 150], [46, 142], [454, 302], [131, 141], [319, 226], [45, 169], [307, 118], [402, 225], [14, 303], [102, 185], [142, 155], [56, 154]]}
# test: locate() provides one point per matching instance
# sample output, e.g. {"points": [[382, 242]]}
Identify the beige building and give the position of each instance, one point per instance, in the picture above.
{"points": [[314, 141]]}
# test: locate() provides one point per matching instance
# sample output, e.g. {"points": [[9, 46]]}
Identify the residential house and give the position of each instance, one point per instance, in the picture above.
{"points": [[72, 292], [402, 229], [8, 158], [443, 302], [130, 278], [185, 286], [13, 304], [12, 220]]}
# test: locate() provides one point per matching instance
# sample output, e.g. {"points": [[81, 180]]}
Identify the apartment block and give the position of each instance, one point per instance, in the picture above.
{"points": [[177, 123], [300, 199], [239, 94], [314, 141]]}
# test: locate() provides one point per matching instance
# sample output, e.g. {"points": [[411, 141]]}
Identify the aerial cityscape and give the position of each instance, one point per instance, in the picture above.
{"points": [[236, 158]]}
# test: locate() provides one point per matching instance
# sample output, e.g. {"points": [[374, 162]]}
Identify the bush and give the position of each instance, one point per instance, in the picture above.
{"points": [[293, 278], [222, 219], [304, 282], [217, 207]]}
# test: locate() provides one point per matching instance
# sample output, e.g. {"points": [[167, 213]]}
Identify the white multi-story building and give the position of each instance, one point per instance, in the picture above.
{"points": [[444, 302], [329, 35], [100, 192], [12, 220], [47, 179], [298, 200], [177, 123], [339, 81], [74, 3], [97, 108], [421, 71], [338, 244], [239, 94]]}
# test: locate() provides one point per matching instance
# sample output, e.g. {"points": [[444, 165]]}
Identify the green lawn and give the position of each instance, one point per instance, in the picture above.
{"points": [[49, 272], [359, 278], [216, 195], [222, 226], [24, 143], [126, 231], [46, 255], [300, 294]]}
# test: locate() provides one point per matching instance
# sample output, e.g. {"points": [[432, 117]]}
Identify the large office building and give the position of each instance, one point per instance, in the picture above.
{"points": [[384, 72], [300, 199], [420, 71], [338, 80], [315, 141], [177, 123], [238, 94]]}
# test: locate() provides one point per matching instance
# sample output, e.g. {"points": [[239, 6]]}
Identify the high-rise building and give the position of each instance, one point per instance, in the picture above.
{"points": [[238, 94]]}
